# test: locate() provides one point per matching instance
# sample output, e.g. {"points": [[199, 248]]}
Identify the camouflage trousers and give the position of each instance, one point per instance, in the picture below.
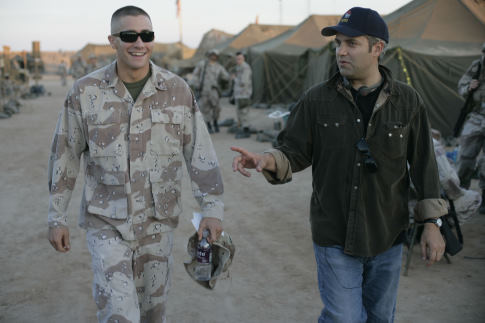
{"points": [[243, 106], [472, 142], [131, 278], [209, 106]]}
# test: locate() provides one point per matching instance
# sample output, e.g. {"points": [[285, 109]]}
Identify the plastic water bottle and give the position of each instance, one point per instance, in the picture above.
{"points": [[204, 258]]}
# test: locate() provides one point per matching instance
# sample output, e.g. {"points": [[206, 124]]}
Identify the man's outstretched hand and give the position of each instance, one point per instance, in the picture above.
{"points": [[248, 160]]}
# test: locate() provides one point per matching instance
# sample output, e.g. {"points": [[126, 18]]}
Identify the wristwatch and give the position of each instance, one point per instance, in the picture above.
{"points": [[437, 221]]}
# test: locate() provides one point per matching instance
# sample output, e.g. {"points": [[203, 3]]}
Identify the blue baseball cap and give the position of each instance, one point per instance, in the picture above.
{"points": [[359, 21]]}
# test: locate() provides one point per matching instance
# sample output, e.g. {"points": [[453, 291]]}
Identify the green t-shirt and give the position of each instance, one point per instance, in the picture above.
{"points": [[136, 87]]}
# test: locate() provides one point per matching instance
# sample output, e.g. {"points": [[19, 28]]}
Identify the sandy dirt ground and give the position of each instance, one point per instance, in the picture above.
{"points": [[272, 278]]}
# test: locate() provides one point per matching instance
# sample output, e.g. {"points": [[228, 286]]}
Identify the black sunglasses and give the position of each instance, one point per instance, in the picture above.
{"points": [[131, 36], [369, 162]]}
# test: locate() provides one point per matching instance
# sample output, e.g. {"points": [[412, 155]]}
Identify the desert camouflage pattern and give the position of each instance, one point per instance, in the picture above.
{"points": [[243, 82], [223, 250], [464, 82], [210, 91], [131, 278], [133, 154], [466, 202], [472, 138]]}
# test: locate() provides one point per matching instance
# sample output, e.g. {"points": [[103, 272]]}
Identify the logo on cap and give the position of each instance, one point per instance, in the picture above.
{"points": [[346, 17]]}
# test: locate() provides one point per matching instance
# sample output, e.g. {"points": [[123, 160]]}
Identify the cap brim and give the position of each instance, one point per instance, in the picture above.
{"points": [[347, 31]]}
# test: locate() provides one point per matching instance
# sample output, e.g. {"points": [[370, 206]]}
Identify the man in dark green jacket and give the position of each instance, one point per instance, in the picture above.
{"points": [[365, 136]]}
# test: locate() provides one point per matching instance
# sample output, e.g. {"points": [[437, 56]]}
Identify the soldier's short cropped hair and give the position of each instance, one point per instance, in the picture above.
{"points": [[128, 11]]}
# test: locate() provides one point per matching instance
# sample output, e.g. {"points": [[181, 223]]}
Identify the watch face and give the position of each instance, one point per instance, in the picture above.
{"points": [[439, 222]]}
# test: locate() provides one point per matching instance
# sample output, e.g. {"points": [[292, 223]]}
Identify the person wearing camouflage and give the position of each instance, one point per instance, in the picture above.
{"points": [[243, 89], [472, 138], [78, 68], [134, 124], [206, 77]]}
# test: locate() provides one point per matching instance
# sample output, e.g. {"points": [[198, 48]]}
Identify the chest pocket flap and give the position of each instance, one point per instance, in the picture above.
{"points": [[166, 131]]}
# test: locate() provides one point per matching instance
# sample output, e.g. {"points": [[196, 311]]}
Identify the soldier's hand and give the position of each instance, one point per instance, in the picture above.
{"points": [[473, 84], [59, 238], [214, 225], [248, 160], [432, 244]]}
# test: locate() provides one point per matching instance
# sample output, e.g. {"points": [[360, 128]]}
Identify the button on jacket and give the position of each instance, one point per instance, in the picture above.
{"points": [[351, 207], [133, 153]]}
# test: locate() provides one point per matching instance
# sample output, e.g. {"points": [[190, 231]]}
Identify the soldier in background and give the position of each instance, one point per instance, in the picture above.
{"points": [[243, 89], [92, 64], [472, 138], [78, 68], [135, 125], [206, 80], [62, 71]]}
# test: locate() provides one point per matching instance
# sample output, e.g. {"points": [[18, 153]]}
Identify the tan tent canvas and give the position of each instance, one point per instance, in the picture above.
{"points": [[210, 40], [251, 35], [280, 65], [439, 27]]}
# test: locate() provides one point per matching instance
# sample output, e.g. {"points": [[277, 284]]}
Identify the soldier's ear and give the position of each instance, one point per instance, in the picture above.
{"points": [[112, 40]]}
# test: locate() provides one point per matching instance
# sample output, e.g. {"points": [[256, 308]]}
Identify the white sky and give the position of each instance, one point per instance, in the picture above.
{"points": [[69, 24]]}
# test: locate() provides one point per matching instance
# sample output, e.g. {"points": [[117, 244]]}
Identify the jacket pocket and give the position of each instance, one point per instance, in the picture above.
{"points": [[166, 132], [332, 130], [392, 140], [105, 133], [106, 193]]}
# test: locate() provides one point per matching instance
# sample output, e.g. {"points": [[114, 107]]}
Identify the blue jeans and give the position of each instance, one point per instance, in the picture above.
{"points": [[357, 289]]}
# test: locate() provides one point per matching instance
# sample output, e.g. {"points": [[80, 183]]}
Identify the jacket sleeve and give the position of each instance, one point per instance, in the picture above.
{"points": [[423, 167], [202, 165], [68, 144], [195, 80], [224, 75], [294, 150]]}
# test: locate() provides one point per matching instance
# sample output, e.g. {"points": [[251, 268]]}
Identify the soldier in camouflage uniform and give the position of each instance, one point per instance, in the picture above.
{"points": [[472, 139], [92, 64], [62, 71], [243, 89], [206, 77], [135, 125], [78, 68]]}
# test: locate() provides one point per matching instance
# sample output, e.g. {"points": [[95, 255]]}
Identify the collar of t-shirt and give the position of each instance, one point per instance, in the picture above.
{"points": [[135, 87], [366, 103]]}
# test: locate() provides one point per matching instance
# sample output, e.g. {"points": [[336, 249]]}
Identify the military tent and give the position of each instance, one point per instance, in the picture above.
{"points": [[249, 36], [432, 43], [210, 40], [280, 64]]}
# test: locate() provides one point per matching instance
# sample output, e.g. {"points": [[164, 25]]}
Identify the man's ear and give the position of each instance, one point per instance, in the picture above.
{"points": [[378, 48], [112, 40]]}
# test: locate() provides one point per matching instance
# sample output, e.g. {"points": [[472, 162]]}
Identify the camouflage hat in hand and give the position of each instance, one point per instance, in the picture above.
{"points": [[222, 253]]}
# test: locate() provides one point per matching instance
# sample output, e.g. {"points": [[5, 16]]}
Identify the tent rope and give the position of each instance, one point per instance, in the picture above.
{"points": [[444, 86], [403, 66]]}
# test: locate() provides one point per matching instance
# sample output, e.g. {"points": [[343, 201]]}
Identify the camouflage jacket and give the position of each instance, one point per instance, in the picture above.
{"points": [[243, 83], [213, 74], [133, 154], [464, 82]]}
